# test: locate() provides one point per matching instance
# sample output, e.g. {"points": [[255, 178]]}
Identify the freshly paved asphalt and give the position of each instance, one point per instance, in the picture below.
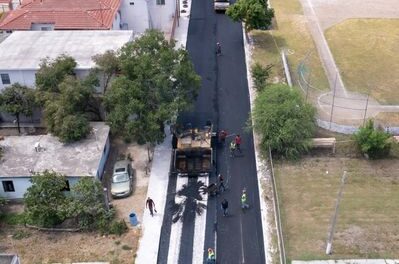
{"points": [[224, 99], [224, 95]]}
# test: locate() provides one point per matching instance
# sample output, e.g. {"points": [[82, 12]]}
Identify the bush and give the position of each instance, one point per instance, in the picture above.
{"points": [[118, 227], [284, 120], [260, 74], [374, 143]]}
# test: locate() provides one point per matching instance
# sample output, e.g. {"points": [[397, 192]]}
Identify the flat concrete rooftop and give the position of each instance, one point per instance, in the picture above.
{"points": [[81, 158], [24, 50]]}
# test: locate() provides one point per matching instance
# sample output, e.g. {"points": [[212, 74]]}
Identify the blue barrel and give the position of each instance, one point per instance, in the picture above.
{"points": [[133, 219]]}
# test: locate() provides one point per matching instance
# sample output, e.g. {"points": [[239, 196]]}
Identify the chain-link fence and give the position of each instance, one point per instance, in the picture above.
{"points": [[338, 110]]}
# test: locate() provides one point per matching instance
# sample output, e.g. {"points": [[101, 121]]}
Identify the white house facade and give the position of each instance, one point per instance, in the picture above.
{"points": [[139, 15], [23, 51], [24, 155]]}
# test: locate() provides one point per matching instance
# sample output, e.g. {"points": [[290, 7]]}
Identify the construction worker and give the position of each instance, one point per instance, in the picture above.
{"points": [[222, 136], [244, 203], [211, 256], [232, 148], [225, 206], [221, 183], [218, 49], [238, 142]]}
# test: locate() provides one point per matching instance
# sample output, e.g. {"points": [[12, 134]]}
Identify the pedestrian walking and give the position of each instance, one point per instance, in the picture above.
{"points": [[232, 148], [237, 140], [151, 206], [221, 183], [222, 136], [244, 203], [218, 49], [225, 206], [211, 256]]}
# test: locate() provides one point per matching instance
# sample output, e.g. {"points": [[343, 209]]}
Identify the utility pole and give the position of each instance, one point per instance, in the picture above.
{"points": [[333, 99], [334, 218], [365, 109]]}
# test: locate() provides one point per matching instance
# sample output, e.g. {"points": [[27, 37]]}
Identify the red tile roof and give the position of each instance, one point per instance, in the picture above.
{"points": [[5, 1], [64, 14]]}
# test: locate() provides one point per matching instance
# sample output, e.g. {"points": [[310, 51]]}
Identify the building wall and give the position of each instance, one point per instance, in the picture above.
{"points": [[24, 77], [42, 27], [162, 15], [28, 77], [135, 15], [5, 7], [21, 184], [116, 25], [104, 158]]}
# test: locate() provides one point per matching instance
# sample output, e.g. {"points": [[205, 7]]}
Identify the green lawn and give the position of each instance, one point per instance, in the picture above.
{"points": [[367, 54], [367, 220], [289, 32]]}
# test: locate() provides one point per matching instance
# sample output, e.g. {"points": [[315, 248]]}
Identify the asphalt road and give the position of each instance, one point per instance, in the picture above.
{"points": [[224, 96]]}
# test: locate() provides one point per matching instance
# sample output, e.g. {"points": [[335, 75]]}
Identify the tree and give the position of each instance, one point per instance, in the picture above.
{"points": [[254, 13], [373, 142], [284, 120], [17, 100], [260, 74], [155, 82], [108, 65], [65, 114], [87, 204], [45, 203], [52, 72], [66, 99]]}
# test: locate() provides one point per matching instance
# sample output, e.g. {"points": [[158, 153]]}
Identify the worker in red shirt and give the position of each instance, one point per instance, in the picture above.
{"points": [[237, 141]]}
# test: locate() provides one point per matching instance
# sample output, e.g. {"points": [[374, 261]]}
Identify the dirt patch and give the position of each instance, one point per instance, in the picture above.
{"points": [[46, 247]]}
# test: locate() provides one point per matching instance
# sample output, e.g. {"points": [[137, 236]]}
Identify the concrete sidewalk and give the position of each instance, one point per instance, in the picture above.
{"points": [[159, 178]]}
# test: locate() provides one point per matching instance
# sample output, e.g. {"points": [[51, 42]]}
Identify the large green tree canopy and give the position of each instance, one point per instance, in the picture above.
{"points": [[155, 82], [284, 120], [17, 100], [65, 98], [254, 13]]}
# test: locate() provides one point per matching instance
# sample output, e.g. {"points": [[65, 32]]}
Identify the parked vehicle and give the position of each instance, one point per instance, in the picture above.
{"points": [[122, 179], [221, 5]]}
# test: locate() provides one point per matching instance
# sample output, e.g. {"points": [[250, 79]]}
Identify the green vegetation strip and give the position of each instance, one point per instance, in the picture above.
{"points": [[367, 217], [367, 53], [289, 32]]}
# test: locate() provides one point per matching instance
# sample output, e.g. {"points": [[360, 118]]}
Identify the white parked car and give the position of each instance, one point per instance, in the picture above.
{"points": [[122, 179]]}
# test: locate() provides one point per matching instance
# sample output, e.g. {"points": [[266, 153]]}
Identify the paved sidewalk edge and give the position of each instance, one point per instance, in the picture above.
{"points": [[260, 164], [157, 188]]}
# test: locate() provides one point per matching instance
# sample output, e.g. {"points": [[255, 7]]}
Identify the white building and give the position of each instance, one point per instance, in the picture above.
{"points": [[139, 15], [23, 155], [22, 52]]}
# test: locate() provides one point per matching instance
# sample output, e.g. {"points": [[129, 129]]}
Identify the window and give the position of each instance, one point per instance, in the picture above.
{"points": [[66, 188], [5, 78], [160, 2], [8, 186], [131, 3]]}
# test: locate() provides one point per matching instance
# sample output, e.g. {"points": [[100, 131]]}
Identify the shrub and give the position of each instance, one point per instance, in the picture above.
{"points": [[374, 143], [260, 74], [118, 227], [284, 120]]}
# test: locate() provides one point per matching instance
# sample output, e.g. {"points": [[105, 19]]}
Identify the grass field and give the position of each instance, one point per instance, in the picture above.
{"points": [[289, 32], [367, 53], [367, 220]]}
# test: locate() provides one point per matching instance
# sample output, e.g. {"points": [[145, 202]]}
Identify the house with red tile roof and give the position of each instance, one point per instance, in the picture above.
{"points": [[63, 15]]}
